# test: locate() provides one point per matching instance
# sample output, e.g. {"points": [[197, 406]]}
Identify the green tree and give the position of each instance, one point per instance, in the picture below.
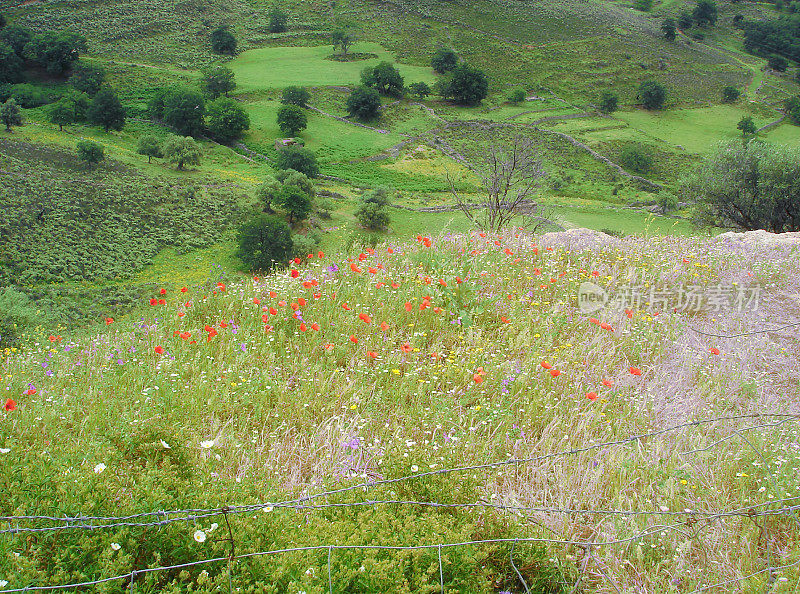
{"points": [[385, 78], [227, 120], [290, 177], [150, 147], [747, 126], [62, 113], [420, 89], [106, 110], [637, 157], [466, 85], [217, 81], [298, 158], [748, 186], [277, 20], [2, 20], [608, 102], [17, 37], [90, 152], [444, 60], [54, 50], [516, 96], [267, 193], [184, 110], [264, 242], [29, 96], [705, 13], [643, 5], [80, 102], [792, 108], [223, 41], [730, 94], [295, 96], [291, 119], [371, 213], [87, 78], [364, 103], [295, 202], [181, 150], [342, 39], [10, 114], [11, 65], [685, 20], [669, 30], [652, 94]]}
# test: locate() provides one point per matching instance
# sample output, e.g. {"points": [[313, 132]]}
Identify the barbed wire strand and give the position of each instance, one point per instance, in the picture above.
{"points": [[744, 333], [119, 521]]}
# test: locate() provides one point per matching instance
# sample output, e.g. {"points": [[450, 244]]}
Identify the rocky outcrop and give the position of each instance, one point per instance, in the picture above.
{"points": [[760, 238]]}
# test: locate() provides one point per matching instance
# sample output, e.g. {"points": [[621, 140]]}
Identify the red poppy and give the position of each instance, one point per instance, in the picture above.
{"points": [[408, 306], [380, 285], [301, 302], [153, 302], [477, 378], [635, 370], [109, 321], [395, 285], [504, 319], [546, 365], [211, 334], [162, 302], [310, 256], [10, 405], [272, 294], [281, 303], [555, 372], [320, 255], [256, 300], [353, 339], [390, 250], [221, 287], [365, 318], [384, 326], [315, 326], [273, 311], [185, 335], [294, 273], [297, 260], [591, 396], [295, 306], [629, 313], [163, 291], [608, 383], [345, 307], [354, 268], [714, 351], [406, 348], [303, 327], [426, 242], [159, 350], [372, 354], [184, 289]]}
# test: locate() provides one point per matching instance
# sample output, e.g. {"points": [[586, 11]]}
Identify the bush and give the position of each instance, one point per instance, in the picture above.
{"points": [[792, 107], [516, 96], [264, 242], [11, 65], [643, 5], [637, 157], [29, 96], [182, 150], [17, 316], [685, 21], [291, 119], [302, 245], [420, 89], [55, 50], [364, 103], [669, 30], [730, 94], [705, 13], [182, 109], [652, 94], [223, 41], [748, 186], [291, 177], [371, 213], [10, 114], [667, 202], [227, 119], [277, 20], [608, 102], [298, 158], [62, 113], [385, 78], [295, 96], [90, 152], [444, 60], [747, 126], [150, 147]]}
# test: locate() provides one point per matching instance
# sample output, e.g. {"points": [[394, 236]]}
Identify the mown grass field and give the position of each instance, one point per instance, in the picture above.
{"points": [[388, 387]]}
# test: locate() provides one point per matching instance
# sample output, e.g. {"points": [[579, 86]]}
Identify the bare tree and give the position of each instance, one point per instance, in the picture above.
{"points": [[510, 176]]}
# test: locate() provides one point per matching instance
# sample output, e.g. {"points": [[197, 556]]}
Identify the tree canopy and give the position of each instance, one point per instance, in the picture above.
{"points": [[106, 110], [223, 41], [444, 60], [466, 85], [385, 78], [182, 151], [291, 119], [226, 119], [364, 103], [217, 81], [55, 50]]}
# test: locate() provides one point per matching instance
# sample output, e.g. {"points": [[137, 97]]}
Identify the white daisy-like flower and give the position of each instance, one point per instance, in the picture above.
{"points": [[267, 508], [115, 546], [99, 468], [414, 468], [3, 583], [199, 536], [165, 445], [4, 450], [209, 443]]}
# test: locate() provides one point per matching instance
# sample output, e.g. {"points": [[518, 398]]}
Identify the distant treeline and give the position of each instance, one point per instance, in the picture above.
{"points": [[780, 36]]}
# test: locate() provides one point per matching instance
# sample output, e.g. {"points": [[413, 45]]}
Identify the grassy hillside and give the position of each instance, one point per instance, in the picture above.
{"points": [[369, 386]]}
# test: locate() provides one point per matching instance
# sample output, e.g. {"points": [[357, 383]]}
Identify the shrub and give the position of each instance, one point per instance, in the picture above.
{"points": [[295, 96], [371, 213], [181, 150], [748, 186], [55, 50], [792, 107], [29, 96], [516, 96], [608, 102], [652, 94], [747, 126], [730, 94], [364, 103], [290, 177], [705, 13], [62, 113], [90, 152], [10, 114], [11, 65], [291, 119], [277, 20], [223, 41], [298, 158], [264, 241], [466, 85], [227, 120], [637, 157], [668, 29], [303, 245], [444, 60], [643, 5], [685, 21], [667, 201], [420, 89]]}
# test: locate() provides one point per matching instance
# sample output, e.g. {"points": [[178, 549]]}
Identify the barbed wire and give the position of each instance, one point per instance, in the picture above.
{"points": [[167, 517], [744, 333]]}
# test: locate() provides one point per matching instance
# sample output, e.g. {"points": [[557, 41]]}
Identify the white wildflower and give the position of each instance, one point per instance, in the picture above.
{"points": [[165, 445], [199, 536], [115, 546], [207, 444], [99, 468]]}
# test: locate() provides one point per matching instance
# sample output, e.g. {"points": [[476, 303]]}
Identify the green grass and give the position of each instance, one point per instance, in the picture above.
{"points": [[278, 67]]}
